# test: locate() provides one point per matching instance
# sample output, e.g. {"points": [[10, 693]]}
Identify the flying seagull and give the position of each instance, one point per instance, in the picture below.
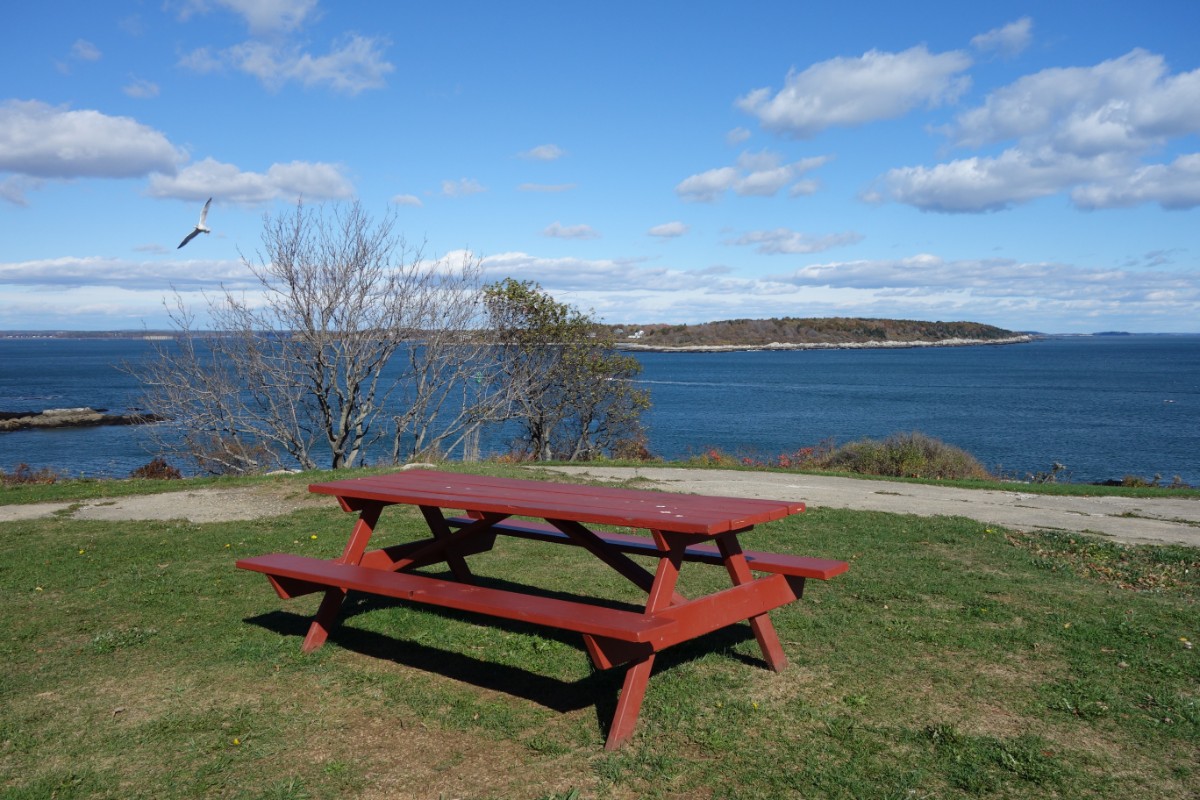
{"points": [[200, 226]]}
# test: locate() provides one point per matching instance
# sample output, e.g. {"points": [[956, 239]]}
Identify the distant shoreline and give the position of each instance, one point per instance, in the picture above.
{"points": [[728, 348]]}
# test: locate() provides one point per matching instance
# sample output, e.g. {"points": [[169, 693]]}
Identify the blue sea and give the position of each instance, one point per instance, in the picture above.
{"points": [[1103, 406]]}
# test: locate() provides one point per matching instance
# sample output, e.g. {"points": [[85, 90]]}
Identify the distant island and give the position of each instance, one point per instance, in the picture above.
{"points": [[789, 333], [69, 418], [786, 333]]}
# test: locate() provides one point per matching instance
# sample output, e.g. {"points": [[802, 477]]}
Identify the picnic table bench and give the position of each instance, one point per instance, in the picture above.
{"points": [[683, 528]]}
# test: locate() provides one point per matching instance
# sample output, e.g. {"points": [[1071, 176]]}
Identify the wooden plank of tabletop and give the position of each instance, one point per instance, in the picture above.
{"points": [[698, 514]]}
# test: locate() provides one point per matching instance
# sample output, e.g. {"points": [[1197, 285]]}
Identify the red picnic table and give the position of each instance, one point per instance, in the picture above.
{"points": [[683, 528]]}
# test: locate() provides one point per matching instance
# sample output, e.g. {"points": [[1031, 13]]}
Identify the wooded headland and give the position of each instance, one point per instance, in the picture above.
{"points": [[797, 333]]}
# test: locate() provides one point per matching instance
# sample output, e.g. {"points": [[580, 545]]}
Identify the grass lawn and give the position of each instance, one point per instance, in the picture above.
{"points": [[953, 660]]}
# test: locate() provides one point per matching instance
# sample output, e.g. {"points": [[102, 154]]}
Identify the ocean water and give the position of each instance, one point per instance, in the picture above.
{"points": [[1102, 406]]}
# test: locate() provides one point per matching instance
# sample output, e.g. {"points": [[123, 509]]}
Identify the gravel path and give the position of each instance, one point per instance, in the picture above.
{"points": [[194, 505], [1134, 520], [1127, 519]]}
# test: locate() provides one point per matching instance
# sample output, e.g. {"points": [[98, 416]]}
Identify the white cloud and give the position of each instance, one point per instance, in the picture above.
{"points": [[763, 182], [544, 152], [43, 141], [407, 200], [854, 91], [1131, 104], [211, 178], [70, 272], [462, 187], [107, 293], [578, 274], [737, 136], [1015, 294], [669, 230], [802, 188], [1173, 186], [759, 174], [353, 65], [262, 16], [1009, 40], [272, 15], [547, 187], [557, 230], [1082, 130], [783, 241], [202, 60], [991, 184], [84, 50], [706, 187], [986, 278], [141, 89]]}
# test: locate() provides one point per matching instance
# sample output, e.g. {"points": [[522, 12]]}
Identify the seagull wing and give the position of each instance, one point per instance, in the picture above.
{"points": [[203, 216], [188, 238]]}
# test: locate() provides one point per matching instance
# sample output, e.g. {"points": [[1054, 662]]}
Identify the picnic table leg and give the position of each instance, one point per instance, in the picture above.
{"points": [[637, 676], [633, 691], [437, 525], [764, 629], [331, 604]]}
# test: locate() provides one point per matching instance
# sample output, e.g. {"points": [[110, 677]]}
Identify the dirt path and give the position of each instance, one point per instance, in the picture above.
{"points": [[194, 505], [1135, 520]]}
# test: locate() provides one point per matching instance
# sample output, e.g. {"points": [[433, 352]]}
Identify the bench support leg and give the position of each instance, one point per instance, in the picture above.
{"points": [[633, 691], [331, 605], [325, 619], [764, 630], [662, 595]]}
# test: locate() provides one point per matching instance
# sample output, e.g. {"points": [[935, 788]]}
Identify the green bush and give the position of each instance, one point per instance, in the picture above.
{"points": [[906, 455], [901, 455]]}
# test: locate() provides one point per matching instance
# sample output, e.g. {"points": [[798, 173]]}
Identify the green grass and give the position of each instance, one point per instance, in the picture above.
{"points": [[954, 660]]}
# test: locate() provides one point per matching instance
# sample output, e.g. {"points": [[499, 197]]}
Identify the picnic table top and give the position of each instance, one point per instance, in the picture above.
{"points": [[679, 513]]}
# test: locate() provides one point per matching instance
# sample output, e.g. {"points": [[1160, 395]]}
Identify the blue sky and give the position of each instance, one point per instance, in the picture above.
{"points": [[1030, 165]]}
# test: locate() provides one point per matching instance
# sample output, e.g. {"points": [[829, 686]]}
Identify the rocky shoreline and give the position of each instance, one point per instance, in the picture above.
{"points": [[68, 418], [728, 348]]}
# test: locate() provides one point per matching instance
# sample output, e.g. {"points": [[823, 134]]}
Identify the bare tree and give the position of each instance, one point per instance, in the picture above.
{"points": [[299, 372], [443, 401]]}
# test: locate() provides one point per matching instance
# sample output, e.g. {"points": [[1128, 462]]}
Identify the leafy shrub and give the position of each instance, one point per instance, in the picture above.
{"points": [[633, 448], [901, 455], [1138, 482], [907, 455], [713, 457], [25, 474], [157, 470]]}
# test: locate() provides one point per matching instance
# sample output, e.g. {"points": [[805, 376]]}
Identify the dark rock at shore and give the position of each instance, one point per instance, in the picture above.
{"points": [[69, 418]]}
